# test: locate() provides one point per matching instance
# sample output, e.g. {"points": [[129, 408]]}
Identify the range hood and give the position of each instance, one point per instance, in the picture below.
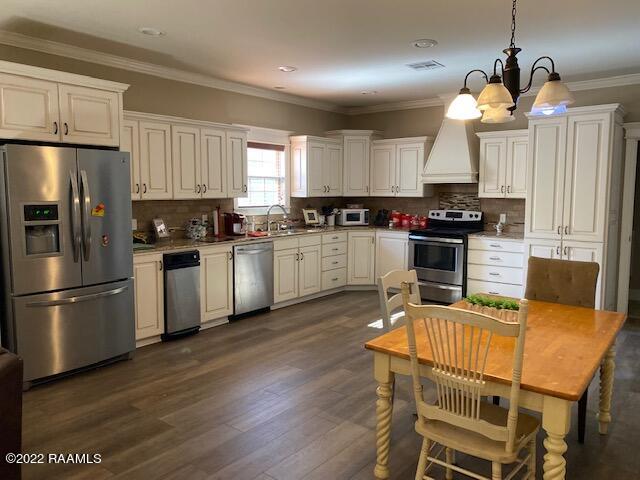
{"points": [[454, 156]]}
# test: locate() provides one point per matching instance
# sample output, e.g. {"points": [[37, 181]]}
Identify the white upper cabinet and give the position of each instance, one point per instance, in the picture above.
{"points": [[89, 116], [503, 164], [545, 184], [316, 167], [355, 179], [52, 106], [185, 152], [213, 162], [237, 164], [396, 167], [130, 142], [586, 177], [155, 161], [29, 109]]}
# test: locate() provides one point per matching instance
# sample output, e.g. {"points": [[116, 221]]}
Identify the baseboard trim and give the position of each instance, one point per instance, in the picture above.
{"points": [[295, 301]]}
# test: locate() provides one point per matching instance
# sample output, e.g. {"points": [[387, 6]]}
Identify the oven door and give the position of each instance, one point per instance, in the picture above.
{"points": [[437, 260]]}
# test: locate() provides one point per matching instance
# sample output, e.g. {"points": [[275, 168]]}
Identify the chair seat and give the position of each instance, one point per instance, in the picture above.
{"points": [[478, 445]]}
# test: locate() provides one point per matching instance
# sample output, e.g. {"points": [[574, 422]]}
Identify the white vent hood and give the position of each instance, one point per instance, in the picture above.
{"points": [[454, 156]]}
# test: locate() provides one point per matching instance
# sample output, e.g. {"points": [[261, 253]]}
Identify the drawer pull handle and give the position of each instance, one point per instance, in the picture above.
{"points": [[495, 245], [497, 259], [334, 238], [495, 274], [335, 263], [335, 249], [334, 279], [494, 293]]}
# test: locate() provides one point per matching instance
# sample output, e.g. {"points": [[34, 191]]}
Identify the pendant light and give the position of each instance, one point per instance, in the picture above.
{"points": [[502, 92]]}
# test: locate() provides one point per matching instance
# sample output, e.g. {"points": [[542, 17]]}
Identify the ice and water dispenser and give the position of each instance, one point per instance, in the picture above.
{"points": [[42, 229]]}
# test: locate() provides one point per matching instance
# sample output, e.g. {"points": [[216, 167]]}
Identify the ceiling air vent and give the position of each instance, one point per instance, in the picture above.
{"points": [[426, 65]]}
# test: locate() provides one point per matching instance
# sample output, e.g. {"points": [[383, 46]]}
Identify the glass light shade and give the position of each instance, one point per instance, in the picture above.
{"points": [[497, 115], [549, 110], [495, 95], [552, 94], [464, 107]]}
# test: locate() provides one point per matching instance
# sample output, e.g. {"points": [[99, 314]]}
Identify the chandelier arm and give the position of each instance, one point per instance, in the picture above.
{"points": [[533, 70], [472, 71], [501, 67]]}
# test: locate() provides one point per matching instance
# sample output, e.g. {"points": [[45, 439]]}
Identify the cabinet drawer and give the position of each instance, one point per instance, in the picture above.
{"points": [[334, 249], [309, 240], [479, 286], [495, 274], [334, 237], [333, 262], [285, 244], [494, 245], [334, 278], [499, 259]]}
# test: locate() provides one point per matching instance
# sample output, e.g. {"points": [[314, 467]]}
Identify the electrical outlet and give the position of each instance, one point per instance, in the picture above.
{"points": [[205, 218], [503, 218], [134, 224]]}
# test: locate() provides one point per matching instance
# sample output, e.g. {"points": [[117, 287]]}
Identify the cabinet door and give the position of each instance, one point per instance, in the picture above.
{"points": [[310, 271], [391, 252], [185, 155], [89, 116], [285, 275], [155, 161], [332, 170], [545, 177], [585, 195], [216, 283], [130, 142], [355, 180], [236, 164], [586, 252], [316, 180], [493, 167], [29, 109], [544, 248], [361, 258], [148, 284], [517, 148], [383, 170], [409, 165], [213, 163]]}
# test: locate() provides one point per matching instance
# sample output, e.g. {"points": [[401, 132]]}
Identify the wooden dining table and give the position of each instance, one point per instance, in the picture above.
{"points": [[564, 347]]}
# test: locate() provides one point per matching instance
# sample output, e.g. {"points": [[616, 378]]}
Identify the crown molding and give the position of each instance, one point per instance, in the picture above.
{"points": [[92, 56], [388, 107]]}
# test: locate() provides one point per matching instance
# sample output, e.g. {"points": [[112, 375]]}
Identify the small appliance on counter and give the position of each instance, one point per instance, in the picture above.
{"points": [[235, 224], [196, 229], [350, 217]]}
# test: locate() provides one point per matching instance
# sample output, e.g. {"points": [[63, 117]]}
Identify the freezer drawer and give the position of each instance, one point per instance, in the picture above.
{"points": [[61, 331]]}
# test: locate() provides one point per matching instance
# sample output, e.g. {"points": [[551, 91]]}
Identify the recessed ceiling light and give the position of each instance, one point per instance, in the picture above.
{"points": [[152, 32], [287, 68], [368, 92], [424, 43], [279, 87]]}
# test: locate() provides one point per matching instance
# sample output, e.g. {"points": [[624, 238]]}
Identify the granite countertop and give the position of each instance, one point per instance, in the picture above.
{"points": [[187, 243], [512, 236]]}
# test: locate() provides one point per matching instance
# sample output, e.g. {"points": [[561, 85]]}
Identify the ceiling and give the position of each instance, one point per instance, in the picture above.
{"points": [[343, 47]]}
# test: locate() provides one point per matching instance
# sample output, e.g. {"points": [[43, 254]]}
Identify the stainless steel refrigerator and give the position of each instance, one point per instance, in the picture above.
{"points": [[67, 263]]}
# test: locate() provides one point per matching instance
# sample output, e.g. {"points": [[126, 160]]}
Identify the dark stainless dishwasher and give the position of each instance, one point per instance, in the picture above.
{"points": [[181, 294]]}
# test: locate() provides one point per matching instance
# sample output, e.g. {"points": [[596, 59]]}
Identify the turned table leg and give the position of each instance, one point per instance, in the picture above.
{"points": [[606, 389], [384, 407], [556, 417]]}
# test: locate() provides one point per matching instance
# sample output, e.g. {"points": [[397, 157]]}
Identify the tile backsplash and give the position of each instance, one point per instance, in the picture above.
{"points": [[176, 213]]}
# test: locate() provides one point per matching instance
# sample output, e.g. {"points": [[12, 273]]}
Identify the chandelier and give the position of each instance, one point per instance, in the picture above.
{"points": [[499, 98]]}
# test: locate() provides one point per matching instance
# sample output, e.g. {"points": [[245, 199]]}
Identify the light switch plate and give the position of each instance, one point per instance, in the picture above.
{"points": [[503, 218], [134, 224]]}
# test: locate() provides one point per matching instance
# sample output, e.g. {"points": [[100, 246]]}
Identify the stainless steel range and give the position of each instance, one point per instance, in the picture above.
{"points": [[438, 253]]}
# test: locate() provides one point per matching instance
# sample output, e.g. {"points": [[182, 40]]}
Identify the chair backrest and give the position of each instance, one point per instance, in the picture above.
{"points": [[459, 341], [388, 304], [562, 281]]}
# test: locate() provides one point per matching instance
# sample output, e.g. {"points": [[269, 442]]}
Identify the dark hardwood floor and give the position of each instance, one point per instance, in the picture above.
{"points": [[284, 395]]}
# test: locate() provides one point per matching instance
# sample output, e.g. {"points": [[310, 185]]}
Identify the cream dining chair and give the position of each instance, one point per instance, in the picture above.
{"points": [[460, 420], [391, 298]]}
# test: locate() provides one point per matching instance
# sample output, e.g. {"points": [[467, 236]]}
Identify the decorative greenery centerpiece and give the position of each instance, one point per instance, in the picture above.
{"points": [[503, 308]]}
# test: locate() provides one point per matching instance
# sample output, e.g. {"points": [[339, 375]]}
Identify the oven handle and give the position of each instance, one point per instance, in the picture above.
{"points": [[419, 238], [441, 286]]}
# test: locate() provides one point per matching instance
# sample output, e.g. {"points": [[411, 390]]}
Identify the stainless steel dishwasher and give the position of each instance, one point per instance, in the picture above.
{"points": [[252, 277], [181, 293]]}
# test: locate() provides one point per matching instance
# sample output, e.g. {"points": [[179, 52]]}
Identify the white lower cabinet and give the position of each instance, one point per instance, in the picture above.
{"points": [[285, 275], [297, 267], [495, 266], [148, 284], [216, 283], [361, 258], [392, 251], [309, 272], [334, 260]]}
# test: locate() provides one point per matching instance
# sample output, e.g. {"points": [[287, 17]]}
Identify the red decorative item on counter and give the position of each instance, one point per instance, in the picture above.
{"points": [[415, 221], [396, 218], [423, 222], [406, 221]]}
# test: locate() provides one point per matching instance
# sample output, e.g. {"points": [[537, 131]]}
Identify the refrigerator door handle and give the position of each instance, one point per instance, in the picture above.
{"points": [[86, 213], [75, 216], [81, 298]]}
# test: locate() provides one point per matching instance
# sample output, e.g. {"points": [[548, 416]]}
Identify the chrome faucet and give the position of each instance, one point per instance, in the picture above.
{"points": [[269, 213]]}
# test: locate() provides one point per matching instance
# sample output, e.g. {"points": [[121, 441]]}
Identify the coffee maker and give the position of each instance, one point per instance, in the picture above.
{"points": [[234, 224]]}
